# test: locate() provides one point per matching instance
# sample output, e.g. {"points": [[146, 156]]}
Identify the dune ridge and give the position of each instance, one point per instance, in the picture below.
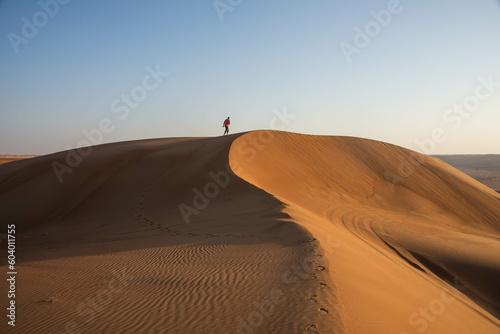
{"points": [[262, 232]]}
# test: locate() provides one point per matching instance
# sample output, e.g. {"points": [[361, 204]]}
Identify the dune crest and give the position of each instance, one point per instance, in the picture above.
{"points": [[263, 232]]}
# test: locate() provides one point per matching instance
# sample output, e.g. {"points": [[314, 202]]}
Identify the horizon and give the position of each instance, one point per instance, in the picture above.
{"points": [[421, 75], [235, 134]]}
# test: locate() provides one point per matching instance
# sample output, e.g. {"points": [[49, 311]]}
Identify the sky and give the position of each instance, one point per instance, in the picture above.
{"points": [[422, 74]]}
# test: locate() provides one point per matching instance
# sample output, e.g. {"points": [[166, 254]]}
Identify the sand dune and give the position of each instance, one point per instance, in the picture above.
{"points": [[263, 232]]}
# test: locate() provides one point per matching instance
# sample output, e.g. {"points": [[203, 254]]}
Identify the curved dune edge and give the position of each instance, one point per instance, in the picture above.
{"points": [[412, 244], [308, 236]]}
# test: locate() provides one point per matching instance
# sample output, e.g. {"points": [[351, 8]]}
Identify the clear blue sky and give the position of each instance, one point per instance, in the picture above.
{"points": [[263, 56]]}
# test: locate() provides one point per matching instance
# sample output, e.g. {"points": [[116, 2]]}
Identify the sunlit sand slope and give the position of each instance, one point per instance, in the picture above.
{"points": [[413, 243]]}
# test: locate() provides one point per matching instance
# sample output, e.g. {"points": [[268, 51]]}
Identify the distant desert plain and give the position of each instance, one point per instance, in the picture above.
{"points": [[4, 158], [485, 167], [260, 232]]}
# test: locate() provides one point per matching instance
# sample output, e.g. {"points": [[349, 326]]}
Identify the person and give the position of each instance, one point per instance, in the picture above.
{"points": [[226, 125]]}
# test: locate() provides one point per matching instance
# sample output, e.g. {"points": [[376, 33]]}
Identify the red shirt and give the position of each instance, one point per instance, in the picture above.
{"points": [[227, 122]]}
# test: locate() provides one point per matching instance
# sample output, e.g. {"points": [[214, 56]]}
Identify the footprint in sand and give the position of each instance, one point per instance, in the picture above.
{"points": [[314, 298], [322, 285], [321, 268], [322, 312], [311, 329]]}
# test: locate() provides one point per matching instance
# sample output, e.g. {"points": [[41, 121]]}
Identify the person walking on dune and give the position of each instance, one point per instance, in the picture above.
{"points": [[226, 125]]}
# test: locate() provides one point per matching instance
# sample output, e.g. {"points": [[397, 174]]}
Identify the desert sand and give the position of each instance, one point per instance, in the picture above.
{"points": [[262, 232]]}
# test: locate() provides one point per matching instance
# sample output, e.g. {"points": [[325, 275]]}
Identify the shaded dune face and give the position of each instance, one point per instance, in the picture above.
{"points": [[263, 232]]}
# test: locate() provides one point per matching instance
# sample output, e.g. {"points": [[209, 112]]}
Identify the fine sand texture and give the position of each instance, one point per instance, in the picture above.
{"points": [[262, 232]]}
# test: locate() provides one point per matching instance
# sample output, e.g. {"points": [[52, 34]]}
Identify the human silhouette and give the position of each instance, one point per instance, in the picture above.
{"points": [[226, 125]]}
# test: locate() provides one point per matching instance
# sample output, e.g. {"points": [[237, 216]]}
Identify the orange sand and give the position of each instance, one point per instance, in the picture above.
{"points": [[310, 234]]}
